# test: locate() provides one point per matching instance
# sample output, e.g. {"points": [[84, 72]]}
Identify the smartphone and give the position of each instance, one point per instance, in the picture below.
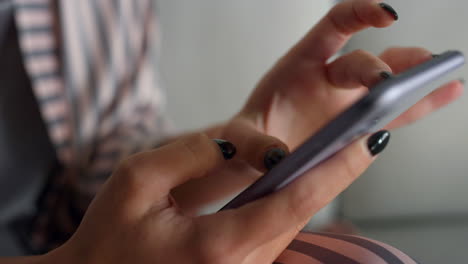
{"points": [[384, 102]]}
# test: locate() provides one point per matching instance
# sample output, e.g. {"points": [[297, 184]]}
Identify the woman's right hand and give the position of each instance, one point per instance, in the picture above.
{"points": [[135, 220]]}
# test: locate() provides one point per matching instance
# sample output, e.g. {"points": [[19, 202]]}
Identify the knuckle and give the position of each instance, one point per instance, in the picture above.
{"points": [[127, 173], [391, 50], [196, 144], [303, 204], [195, 138], [352, 168], [360, 53], [126, 168]]}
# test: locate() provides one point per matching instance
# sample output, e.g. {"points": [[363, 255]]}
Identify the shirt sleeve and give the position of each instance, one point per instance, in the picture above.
{"points": [[130, 119]]}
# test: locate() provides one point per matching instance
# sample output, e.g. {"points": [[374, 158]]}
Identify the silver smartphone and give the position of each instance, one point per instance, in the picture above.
{"points": [[384, 102]]}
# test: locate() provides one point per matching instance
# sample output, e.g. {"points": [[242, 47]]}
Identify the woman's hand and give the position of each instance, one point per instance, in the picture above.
{"points": [[135, 220], [306, 89]]}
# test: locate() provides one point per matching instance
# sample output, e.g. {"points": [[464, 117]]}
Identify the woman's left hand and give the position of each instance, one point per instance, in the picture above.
{"points": [[304, 90]]}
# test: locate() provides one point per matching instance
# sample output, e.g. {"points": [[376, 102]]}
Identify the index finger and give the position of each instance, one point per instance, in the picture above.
{"points": [[341, 22]]}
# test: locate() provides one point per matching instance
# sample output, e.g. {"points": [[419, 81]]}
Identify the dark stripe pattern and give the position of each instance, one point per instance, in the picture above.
{"points": [[377, 249], [320, 253]]}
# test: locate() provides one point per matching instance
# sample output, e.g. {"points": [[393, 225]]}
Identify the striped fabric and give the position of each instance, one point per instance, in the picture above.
{"points": [[324, 248], [39, 46], [92, 65]]}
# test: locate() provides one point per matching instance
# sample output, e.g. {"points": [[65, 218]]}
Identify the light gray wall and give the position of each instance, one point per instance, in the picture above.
{"points": [[424, 171], [214, 52]]}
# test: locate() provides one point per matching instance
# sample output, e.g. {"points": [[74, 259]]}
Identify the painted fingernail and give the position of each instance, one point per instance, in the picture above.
{"points": [[389, 9], [227, 148], [435, 56], [377, 142], [462, 80], [273, 157], [385, 75]]}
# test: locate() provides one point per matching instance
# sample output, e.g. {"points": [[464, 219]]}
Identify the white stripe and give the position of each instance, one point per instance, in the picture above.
{"points": [[101, 63], [119, 62], [77, 69]]}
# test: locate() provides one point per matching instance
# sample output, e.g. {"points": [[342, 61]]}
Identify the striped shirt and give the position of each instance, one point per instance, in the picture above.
{"points": [[92, 64]]}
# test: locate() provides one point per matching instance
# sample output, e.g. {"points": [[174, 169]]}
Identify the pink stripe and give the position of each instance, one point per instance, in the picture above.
{"points": [[352, 251], [59, 133], [34, 18], [55, 109], [289, 256], [39, 41], [43, 64], [32, 1], [48, 87]]}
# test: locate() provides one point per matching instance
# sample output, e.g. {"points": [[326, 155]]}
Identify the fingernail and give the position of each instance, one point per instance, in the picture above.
{"points": [[385, 75], [462, 80], [390, 10], [435, 56], [227, 148], [273, 157], [377, 142]]}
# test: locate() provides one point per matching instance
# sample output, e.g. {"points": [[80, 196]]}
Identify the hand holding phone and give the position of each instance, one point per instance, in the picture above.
{"points": [[384, 102]]}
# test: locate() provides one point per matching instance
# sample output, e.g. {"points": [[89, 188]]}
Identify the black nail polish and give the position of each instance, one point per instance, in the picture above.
{"points": [[377, 142], [435, 56], [462, 80], [273, 157], [385, 75], [227, 148], [390, 10]]}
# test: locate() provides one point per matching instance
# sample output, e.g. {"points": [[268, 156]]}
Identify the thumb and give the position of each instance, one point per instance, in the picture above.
{"points": [[290, 208], [259, 150], [148, 177]]}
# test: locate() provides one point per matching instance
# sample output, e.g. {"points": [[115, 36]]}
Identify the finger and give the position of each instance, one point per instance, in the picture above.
{"points": [[266, 219], [259, 150], [337, 27], [358, 68], [402, 58], [435, 100], [151, 175]]}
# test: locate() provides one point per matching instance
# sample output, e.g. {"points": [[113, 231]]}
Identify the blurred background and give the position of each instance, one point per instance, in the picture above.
{"points": [[414, 197]]}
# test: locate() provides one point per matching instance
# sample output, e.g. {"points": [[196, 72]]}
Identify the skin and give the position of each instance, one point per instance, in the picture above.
{"points": [[146, 212]]}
